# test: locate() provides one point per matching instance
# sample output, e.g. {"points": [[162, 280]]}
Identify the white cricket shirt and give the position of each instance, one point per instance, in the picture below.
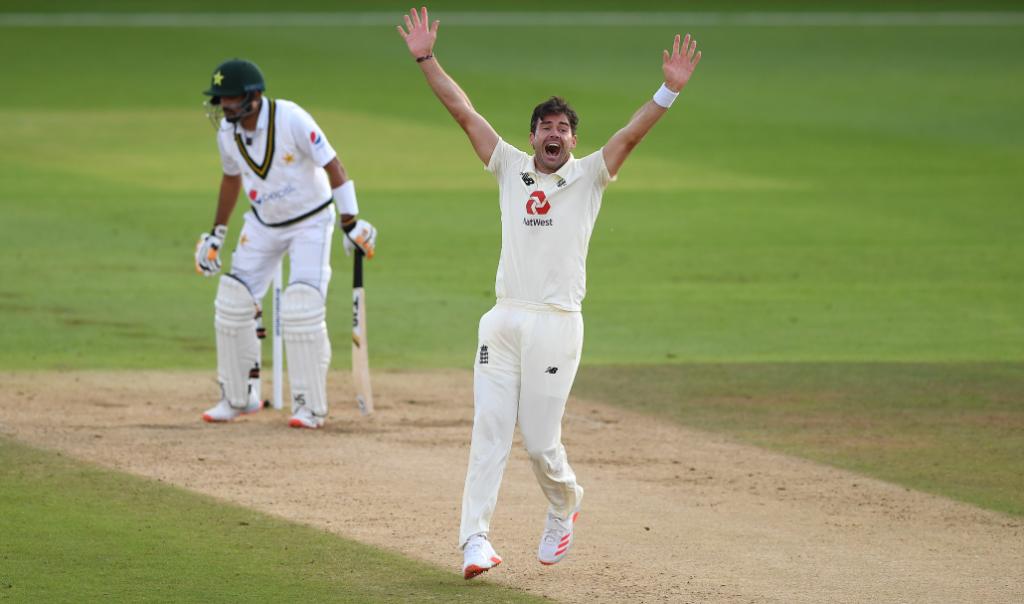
{"points": [[546, 223], [281, 162]]}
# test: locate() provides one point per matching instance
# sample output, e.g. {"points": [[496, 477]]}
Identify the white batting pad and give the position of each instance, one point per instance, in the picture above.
{"points": [[307, 346], [238, 349]]}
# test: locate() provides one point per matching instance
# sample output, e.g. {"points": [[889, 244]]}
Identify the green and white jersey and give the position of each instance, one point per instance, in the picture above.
{"points": [[546, 223], [281, 161]]}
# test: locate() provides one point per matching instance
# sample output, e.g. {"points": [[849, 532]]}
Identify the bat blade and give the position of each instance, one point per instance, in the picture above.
{"points": [[277, 347], [360, 343]]}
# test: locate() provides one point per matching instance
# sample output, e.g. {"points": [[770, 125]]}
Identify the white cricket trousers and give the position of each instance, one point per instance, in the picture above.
{"points": [[307, 242], [526, 361]]}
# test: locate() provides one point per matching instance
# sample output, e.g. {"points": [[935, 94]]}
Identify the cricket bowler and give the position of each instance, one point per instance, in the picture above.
{"points": [[276, 153], [529, 343]]}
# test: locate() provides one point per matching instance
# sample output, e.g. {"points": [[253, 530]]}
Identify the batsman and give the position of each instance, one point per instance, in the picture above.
{"points": [[529, 344], [274, 152]]}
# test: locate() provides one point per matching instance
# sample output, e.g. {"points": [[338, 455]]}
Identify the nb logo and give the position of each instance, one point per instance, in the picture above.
{"points": [[538, 203], [526, 179], [551, 370]]}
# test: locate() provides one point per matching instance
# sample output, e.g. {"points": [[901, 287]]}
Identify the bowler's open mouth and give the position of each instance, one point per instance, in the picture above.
{"points": [[552, 149]]}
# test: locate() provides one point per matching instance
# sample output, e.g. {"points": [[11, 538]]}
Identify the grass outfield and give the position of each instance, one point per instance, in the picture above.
{"points": [[798, 206], [76, 533], [828, 222], [813, 203]]}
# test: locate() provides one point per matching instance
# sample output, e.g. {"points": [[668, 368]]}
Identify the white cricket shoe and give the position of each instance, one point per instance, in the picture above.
{"points": [[304, 418], [223, 412], [557, 538], [478, 556]]}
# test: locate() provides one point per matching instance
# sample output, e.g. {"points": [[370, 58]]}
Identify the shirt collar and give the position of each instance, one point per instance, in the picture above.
{"points": [[261, 121], [562, 172]]}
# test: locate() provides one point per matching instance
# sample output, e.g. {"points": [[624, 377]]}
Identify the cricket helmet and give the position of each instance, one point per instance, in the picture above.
{"points": [[236, 77]]}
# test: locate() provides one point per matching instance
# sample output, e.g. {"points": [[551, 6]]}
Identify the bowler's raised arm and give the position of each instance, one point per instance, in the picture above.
{"points": [[420, 36], [677, 68]]}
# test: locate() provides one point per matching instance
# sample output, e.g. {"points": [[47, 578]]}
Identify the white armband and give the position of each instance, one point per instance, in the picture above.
{"points": [[345, 198], [665, 97]]}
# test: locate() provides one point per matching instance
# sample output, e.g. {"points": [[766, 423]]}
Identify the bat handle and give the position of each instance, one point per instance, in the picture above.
{"points": [[357, 268]]}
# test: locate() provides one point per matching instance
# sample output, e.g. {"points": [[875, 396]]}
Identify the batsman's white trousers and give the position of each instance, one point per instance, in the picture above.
{"points": [[526, 361], [307, 242]]}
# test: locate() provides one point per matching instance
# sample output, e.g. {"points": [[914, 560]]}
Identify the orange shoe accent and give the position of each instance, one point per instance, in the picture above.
{"points": [[473, 570], [208, 418]]}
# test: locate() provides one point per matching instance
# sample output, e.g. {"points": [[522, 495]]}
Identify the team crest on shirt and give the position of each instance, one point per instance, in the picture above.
{"points": [[288, 158]]}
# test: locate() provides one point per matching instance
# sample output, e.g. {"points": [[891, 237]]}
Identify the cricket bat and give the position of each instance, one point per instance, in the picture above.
{"points": [[277, 347], [360, 353]]}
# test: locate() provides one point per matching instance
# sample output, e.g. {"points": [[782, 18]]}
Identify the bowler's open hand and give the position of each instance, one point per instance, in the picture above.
{"points": [[420, 36], [678, 66]]}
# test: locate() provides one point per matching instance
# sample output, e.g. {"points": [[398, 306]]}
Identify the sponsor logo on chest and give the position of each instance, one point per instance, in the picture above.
{"points": [[259, 198], [538, 205]]}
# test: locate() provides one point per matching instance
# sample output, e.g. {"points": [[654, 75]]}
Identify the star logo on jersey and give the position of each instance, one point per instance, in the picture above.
{"points": [[243, 240], [218, 78], [288, 158], [538, 204], [315, 138]]}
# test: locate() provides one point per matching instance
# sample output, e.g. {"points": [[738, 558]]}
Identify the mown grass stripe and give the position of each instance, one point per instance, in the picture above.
{"points": [[520, 19]]}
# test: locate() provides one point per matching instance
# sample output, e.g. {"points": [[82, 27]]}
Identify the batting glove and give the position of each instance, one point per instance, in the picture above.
{"points": [[208, 250], [362, 235]]}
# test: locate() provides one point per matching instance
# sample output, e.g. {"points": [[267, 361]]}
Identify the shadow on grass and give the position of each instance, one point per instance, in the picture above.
{"points": [[71, 531]]}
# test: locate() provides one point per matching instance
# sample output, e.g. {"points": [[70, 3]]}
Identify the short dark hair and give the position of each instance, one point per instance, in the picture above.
{"points": [[554, 106]]}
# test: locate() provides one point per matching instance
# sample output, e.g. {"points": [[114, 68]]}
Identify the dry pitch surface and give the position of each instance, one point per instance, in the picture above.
{"points": [[670, 514]]}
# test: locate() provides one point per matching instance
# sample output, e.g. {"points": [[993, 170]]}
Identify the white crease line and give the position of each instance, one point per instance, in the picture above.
{"points": [[518, 19]]}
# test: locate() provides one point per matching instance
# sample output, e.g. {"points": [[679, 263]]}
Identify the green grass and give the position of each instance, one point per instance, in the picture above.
{"points": [[75, 533], [851, 202], [226, 6]]}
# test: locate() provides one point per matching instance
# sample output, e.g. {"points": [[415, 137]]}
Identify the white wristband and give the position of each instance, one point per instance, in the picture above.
{"points": [[665, 97], [345, 198]]}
